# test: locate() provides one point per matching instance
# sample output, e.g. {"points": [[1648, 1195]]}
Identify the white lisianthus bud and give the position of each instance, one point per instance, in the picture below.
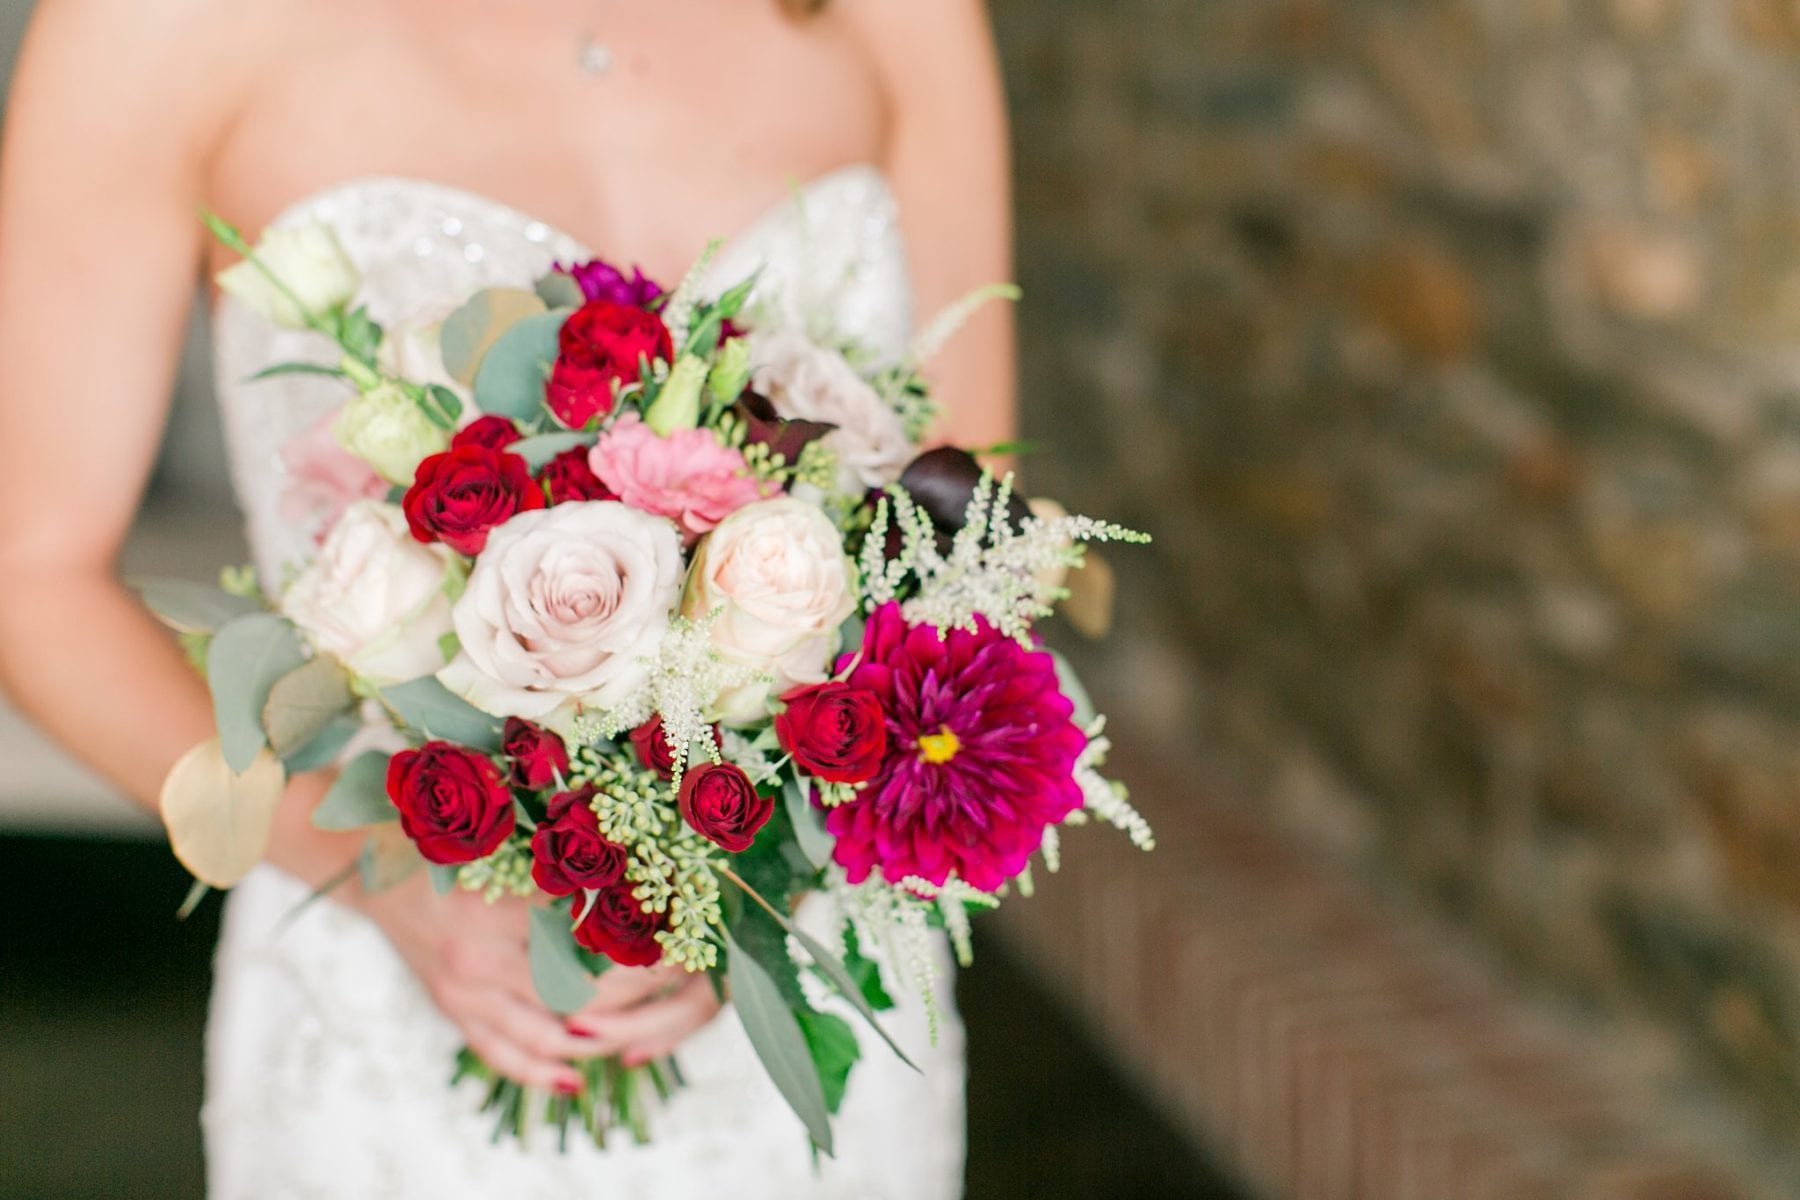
{"points": [[386, 429], [310, 263], [374, 597], [730, 372]]}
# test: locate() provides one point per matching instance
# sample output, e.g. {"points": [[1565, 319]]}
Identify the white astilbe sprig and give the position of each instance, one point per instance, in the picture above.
{"points": [[953, 898], [991, 570], [886, 917], [1105, 799], [678, 313], [1052, 849]]}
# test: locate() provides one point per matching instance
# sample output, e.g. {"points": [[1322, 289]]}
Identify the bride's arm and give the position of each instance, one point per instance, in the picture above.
{"points": [[100, 186], [948, 158]]}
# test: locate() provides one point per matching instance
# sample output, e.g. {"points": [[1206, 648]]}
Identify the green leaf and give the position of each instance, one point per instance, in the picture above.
{"points": [[1071, 687], [834, 1051], [765, 941], [562, 983], [443, 878], [510, 382], [359, 335], [437, 712], [471, 331], [304, 701], [247, 658], [359, 798], [388, 857], [536, 451], [445, 401], [808, 822], [864, 972], [323, 750], [189, 607], [298, 368], [558, 290], [776, 1035], [732, 302]]}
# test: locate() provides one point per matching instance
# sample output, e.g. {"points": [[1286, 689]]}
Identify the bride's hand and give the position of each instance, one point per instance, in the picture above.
{"points": [[471, 956], [643, 1013]]}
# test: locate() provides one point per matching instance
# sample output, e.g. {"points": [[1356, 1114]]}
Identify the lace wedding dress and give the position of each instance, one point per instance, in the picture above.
{"points": [[327, 1065]]}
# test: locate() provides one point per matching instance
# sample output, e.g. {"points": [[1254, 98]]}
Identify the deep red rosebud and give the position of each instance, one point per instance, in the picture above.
{"points": [[722, 805], [602, 345], [568, 477], [618, 927], [567, 852], [459, 496], [537, 755], [834, 731], [494, 432], [453, 802], [652, 746]]}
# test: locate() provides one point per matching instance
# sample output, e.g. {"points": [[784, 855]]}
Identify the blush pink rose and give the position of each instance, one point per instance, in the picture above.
{"points": [[689, 476], [324, 479]]}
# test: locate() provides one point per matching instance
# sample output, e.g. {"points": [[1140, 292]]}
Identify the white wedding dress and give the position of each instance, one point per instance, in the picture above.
{"points": [[327, 1066]]}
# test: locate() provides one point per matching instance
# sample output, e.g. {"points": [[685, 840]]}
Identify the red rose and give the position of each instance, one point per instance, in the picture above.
{"points": [[496, 433], [453, 803], [568, 477], [458, 496], [834, 731], [567, 852], [602, 345], [537, 755], [722, 805], [618, 927]]}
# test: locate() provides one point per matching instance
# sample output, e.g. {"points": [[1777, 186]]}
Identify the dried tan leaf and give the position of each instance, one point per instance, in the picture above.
{"points": [[218, 821]]}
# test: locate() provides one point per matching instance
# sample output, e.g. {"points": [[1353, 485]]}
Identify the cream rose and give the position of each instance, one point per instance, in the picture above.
{"points": [[805, 381], [776, 576], [564, 607], [386, 429], [312, 264], [373, 597]]}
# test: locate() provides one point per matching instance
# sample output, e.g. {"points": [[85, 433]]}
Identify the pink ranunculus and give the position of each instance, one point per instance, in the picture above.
{"points": [[324, 479], [689, 477]]}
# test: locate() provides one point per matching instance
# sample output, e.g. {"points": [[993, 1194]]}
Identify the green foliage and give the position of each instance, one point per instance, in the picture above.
{"points": [[776, 1035], [359, 335], [558, 290], [437, 712], [562, 982], [247, 657], [189, 607], [304, 701], [323, 749], [470, 332], [834, 1051], [1073, 689], [538, 450], [510, 382], [864, 973], [808, 823], [299, 368], [358, 798]]}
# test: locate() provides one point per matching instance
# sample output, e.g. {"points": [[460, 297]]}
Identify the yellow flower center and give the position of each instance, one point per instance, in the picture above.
{"points": [[939, 747]]}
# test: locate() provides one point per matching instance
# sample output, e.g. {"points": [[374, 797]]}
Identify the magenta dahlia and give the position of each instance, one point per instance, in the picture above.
{"points": [[980, 760]]}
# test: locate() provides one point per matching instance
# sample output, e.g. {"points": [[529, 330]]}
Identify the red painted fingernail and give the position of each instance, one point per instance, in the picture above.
{"points": [[579, 1030]]}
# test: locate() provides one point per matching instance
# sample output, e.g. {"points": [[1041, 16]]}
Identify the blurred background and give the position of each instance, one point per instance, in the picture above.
{"points": [[1451, 350]]}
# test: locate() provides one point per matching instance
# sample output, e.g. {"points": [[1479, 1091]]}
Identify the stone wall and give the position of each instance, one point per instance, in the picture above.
{"points": [[1451, 350]]}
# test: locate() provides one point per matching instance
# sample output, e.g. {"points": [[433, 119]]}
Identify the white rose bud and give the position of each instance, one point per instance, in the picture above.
{"points": [[776, 573], [374, 597], [386, 429], [805, 381], [312, 264], [565, 607]]}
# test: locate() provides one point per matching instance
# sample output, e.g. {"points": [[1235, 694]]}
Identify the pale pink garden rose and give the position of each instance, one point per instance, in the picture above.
{"points": [[776, 583], [323, 479], [805, 381], [373, 597], [564, 608], [688, 476]]}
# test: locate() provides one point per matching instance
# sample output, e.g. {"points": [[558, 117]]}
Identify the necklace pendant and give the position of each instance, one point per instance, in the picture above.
{"points": [[595, 58]]}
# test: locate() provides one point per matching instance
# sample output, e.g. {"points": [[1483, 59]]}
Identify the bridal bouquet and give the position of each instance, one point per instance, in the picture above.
{"points": [[669, 622]]}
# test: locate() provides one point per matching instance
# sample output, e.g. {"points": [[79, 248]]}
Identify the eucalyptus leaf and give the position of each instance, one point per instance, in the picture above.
{"points": [[809, 824], [779, 1042], [219, 819], [559, 290], [834, 1051], [247, 657], [1072, 688], [510, 381], [388, 858], [304, 701], [190, 607], [358, 798], [471, 331], [323, 750], [536, 451], [443, 878], [562, 983], [433, 709]]}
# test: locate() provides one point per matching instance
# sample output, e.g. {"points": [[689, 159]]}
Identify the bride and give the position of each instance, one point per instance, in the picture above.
{"points": [[451, 144]]}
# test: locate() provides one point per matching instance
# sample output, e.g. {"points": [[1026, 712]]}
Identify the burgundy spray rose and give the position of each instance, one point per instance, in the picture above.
{"points": [[567, 852], [602, 345], [453, 803], [537, 755], [494, 432], [722, 805], [618, 927], [568, 477], [652, 746], [834, 731], [459, 496]]}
